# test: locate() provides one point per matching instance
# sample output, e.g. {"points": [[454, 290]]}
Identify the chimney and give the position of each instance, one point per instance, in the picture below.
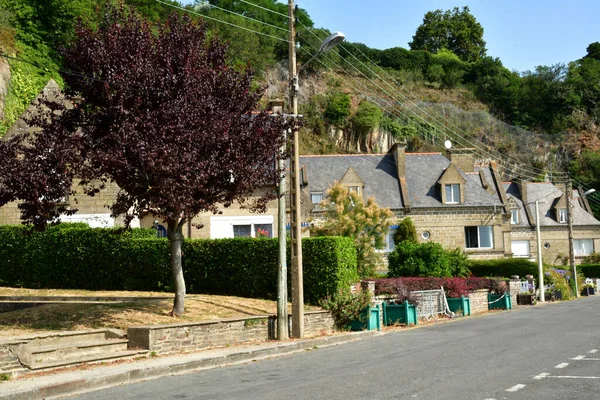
{"points": [[399, 151], [522, 184], [464, 159]]}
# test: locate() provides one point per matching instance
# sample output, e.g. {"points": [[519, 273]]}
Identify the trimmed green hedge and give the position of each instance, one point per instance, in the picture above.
{"points": [[114, 259], [589, 270], [504, 267]]}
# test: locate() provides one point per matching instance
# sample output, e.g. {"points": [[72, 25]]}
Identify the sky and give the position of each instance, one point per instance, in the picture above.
{"points": [[522, 33]]}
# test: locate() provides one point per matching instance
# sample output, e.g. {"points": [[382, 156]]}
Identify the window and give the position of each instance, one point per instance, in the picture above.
{"points": [[390, 245], [583, 247], [316, 198], [479, 237], [354, 189], [242, 226], [453, 194], [426, 235], [514, 216], [520, 248], [562, 215]]}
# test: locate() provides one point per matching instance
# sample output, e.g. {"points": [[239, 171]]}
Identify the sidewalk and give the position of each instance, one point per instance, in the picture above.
{"points": [[71, 381]]}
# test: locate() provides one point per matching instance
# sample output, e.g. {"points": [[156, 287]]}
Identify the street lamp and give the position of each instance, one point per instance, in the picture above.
{"points": [[295, 206], [589, 192]]}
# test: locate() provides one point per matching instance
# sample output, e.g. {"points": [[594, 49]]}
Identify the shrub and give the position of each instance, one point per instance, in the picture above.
{"points": [[406, 231], [505, 267], [591, 270], [115, 259], [557, 279], [454, 287], [346, 307], [426, 259]]}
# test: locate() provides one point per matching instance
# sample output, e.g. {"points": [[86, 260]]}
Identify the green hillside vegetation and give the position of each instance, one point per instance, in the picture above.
{"points": [[444, 86]]}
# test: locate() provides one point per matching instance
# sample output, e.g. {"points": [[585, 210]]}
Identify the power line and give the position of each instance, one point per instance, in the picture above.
{"points": [[265, 8], [246, 17], [531, 170], [224, 22]]}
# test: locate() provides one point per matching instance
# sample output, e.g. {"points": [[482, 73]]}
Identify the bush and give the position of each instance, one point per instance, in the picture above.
{"points": [[115, 259], [558, 279], [454, 287], [505, 267], [406, 231], [426, 259], [346, 307], [590, 270]]}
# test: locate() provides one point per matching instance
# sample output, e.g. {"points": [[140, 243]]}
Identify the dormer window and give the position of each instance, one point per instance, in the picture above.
{"points": [[354, 189], [316, 197], [452, 186], [562, 215], [514, 216], [453, 194]]}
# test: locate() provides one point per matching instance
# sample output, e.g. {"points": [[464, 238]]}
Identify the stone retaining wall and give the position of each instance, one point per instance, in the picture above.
{"points": [[479, 301], [201, 335]]}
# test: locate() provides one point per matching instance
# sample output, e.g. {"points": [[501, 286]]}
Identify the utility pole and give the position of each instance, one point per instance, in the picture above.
{"points": [[571, 252], [295, 194], [282, 310], [539, 252]]}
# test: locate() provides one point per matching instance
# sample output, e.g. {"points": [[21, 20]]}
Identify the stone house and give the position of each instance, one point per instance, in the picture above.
{"points": [[455, 202]]}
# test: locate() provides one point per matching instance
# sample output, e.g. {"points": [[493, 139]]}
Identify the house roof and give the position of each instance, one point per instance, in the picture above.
{"points": [[377, 171], [422, 173], [513, 194], [548, 194]]}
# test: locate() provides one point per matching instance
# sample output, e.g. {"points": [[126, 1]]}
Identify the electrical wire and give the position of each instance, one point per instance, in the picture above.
{"points": [[499, 157], [264, 8], [224, 22]]}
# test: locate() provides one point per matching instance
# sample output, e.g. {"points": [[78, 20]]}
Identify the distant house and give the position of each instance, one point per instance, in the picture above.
{"points": [[454, 202]]}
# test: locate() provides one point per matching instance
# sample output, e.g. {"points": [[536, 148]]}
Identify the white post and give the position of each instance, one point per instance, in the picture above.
{"points": [[539, 252]]}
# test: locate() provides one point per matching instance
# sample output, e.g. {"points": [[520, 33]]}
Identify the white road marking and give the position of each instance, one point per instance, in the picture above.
{"points": [[578, 358], [574, 377], [593, 351], [561, 365], [542, 375], [587, 359], [516, 388]]}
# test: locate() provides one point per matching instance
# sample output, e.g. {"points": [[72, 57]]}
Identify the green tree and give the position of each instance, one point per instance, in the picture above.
{"points": [[406, 232], [337, 109], [367, 118], [456, 30], [367, 223], [426, 259]]}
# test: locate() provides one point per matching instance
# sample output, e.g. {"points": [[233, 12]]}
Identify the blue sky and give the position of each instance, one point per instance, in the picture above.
{"points": [[523, 34]]}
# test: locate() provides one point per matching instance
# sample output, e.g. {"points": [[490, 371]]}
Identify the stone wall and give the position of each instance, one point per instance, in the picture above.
{"points": [[201, 335], [9, 363], [514, 288], [479, 301]]}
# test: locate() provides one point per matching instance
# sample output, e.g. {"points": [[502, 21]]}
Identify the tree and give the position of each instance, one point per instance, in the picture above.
{"points": [[456, 30], [406, 232], [162, 115], [367, 118], [367, 223], [37, 168]]}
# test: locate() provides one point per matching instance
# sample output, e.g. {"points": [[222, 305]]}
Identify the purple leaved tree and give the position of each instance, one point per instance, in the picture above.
{"points": [[162, 114]]}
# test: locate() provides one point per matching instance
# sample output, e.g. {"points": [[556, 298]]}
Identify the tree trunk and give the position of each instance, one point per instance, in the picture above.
{"points": [[175, 236]]}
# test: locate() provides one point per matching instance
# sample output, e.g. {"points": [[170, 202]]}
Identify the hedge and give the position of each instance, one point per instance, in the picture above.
{"points": [[113, 259], [505, 267], [589, 270]]}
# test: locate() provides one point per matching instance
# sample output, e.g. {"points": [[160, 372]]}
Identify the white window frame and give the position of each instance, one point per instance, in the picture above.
{"points": [[312, 199], [454, 193], [389, 241], [580, 249], [516, 245], [491, 230], [514, 216], [226, 224], [562, 215], [354, 189]]}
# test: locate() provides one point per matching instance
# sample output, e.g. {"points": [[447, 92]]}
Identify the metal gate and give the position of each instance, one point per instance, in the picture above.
{"points": [[431, 303]]}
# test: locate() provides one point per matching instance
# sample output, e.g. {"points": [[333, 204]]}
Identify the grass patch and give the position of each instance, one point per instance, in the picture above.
{"points": [[83, 316]]}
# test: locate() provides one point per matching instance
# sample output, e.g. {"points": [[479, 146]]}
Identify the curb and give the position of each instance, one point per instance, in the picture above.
{"points": [[95, 379]]}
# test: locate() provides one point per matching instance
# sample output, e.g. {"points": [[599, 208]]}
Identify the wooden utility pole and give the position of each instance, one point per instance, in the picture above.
{"points": [[571, 252], [295, 205]]}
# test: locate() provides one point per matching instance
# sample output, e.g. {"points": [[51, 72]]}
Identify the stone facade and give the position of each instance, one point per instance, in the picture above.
{"points": [[207, 334]]}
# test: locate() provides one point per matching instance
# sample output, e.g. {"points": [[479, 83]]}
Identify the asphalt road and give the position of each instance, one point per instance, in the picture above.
{"points": [[545, 352]]}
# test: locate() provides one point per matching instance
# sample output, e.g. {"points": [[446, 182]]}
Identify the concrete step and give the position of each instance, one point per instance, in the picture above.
{"points": [[63, 352], [88, 359]]}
